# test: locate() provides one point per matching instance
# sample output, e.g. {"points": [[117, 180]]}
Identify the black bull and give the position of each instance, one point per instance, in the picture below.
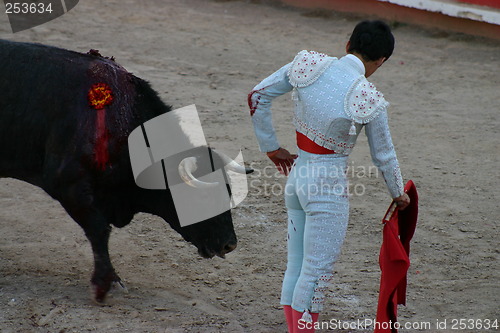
{"points": [[55, 135]]}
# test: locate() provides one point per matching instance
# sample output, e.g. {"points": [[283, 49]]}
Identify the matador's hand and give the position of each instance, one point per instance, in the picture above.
{"points": [[282, 159], [402, 201]]}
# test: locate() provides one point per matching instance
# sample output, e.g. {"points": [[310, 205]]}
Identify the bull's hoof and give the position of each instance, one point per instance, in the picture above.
{"points": [[99, 293], [101, 286]]}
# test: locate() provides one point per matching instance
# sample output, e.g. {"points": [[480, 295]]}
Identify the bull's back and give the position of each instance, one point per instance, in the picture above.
{"points": [[45, 116], [39, 85]]}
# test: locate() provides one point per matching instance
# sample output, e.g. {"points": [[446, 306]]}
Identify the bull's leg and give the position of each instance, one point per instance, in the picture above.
{"points": [[98, 231], [79, 204], [104, 274]]}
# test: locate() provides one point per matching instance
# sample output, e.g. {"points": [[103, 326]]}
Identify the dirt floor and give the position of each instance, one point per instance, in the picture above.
{"points": [[445, 122]]}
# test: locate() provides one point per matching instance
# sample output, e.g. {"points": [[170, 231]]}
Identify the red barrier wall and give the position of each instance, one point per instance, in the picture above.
{"points": [[392, 12], [488, 3]]}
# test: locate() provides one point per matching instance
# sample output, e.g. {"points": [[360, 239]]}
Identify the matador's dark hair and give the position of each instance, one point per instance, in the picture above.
{"points": [[372, 40]]}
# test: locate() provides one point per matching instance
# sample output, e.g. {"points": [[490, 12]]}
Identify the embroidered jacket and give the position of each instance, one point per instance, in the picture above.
{"points": [[333, 102]]}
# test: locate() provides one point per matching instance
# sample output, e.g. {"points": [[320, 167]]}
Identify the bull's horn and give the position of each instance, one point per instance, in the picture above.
{"points": [[186, 168], [233, 165]]}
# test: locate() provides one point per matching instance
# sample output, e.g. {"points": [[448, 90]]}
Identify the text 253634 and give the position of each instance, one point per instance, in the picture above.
{"points": [[28, 8], [474, 324]]}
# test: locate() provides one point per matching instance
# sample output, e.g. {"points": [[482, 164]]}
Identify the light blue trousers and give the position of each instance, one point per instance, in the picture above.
{"points": [[316, 197]]}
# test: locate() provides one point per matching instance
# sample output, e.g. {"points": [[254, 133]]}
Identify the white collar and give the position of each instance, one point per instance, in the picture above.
{"points": [[357, 63]]}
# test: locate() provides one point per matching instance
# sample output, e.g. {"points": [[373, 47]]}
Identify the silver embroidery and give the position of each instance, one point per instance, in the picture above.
{"points": [[307, 67], [363, 101]]}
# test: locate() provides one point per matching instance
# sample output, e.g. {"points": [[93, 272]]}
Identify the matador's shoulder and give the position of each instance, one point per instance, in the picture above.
{"points": [[363, 102], [307, 67]]}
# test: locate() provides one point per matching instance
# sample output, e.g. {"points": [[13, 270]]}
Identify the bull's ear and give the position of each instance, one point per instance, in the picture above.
{"points": [[249, 170]]}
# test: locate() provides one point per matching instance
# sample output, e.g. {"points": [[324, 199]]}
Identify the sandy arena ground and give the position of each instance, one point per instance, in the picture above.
{"points": [[445, 123]]}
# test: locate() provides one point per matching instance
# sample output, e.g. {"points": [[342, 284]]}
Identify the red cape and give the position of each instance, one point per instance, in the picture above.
{"points": [[394, 260]]}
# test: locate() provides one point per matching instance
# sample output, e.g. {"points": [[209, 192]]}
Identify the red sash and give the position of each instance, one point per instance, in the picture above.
{"points": [[306, 144]]}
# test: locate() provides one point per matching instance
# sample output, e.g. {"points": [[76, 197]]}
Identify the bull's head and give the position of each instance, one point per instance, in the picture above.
{"points": [[214, 236], [169, 153]]}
